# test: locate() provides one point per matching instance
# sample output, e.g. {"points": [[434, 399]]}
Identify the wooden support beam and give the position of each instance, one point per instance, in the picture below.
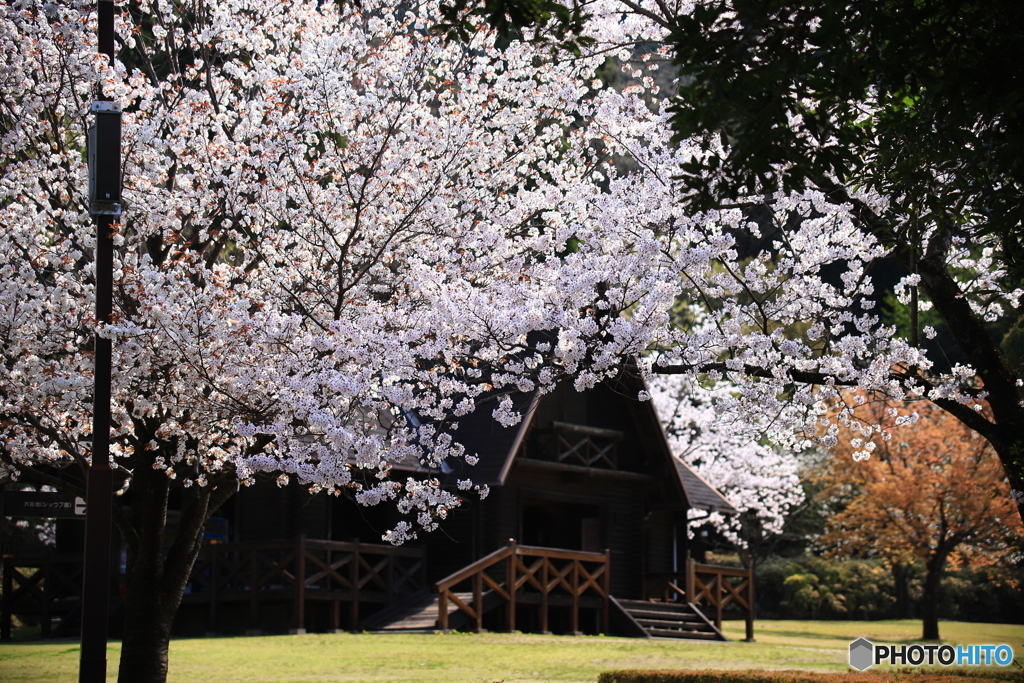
{"points": [[576, 598], [750, 605], [300, 585], [614, 434], [606, 585], [598, 472]]}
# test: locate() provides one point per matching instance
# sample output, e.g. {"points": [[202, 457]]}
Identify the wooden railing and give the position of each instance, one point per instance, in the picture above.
{"points": [[53, 590], [709, 586], [521, 574], [581, 444], [303, 570]]}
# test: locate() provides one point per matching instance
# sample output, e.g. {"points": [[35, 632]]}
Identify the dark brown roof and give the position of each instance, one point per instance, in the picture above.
{"points": [[701, 494], [494, 445]]}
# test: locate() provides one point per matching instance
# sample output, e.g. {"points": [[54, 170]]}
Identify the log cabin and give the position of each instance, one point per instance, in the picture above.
{"points": [[584, 530]]}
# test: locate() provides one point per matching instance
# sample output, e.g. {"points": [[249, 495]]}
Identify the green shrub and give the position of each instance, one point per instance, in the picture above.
{"points": [[903, 676], [811, 587], [817, 588]]}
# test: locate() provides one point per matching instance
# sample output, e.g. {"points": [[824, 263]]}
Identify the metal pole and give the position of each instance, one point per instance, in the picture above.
{"points": [[96, 571]]}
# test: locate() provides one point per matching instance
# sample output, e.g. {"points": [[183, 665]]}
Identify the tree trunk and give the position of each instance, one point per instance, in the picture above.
{"points": [[1006, 424], [147, 623], [147, 629], [1011, 454], [900, 574], [157, 576], [931, 597]]}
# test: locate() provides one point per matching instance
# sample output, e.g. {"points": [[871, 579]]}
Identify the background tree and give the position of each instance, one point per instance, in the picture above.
{"points": [[928, 495], [762, 483], [913, 103]]}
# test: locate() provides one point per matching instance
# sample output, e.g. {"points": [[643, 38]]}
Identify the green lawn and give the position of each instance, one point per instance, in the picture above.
{"points": [[486, 658]]}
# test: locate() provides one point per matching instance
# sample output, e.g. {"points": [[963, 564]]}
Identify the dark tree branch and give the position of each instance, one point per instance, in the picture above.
{"points": [[802, 376]]}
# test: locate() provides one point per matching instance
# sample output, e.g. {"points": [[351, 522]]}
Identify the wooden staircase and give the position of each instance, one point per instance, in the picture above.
{"points": [[415, 614], [419, 614], [671, 620], [546, 577]]}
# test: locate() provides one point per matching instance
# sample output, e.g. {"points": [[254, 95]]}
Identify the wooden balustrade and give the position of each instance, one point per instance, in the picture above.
{"points": [[304, 570], [520, 574], [581, 444], [709, 586], [293, 571], [54, 589]]}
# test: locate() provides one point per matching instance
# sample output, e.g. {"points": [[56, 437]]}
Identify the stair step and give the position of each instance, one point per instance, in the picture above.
{"points": [[670, 633], [670, 619], [655, 614], [683, 625], [659, 606], [421, 616]]}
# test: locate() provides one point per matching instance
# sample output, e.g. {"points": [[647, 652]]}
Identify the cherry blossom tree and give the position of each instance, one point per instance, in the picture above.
{"points": [[847, 150], [332, 220], [762, 482]]}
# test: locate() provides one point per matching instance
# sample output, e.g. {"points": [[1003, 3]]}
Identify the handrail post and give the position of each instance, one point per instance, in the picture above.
{"points": [[544, 595], [353, 572], [214, 581], [442, 609], [576, 597], [719, 577], [512, 559], [300, 585], [253, 579], [46, 623], [391, 578], [606, 584], [5, 610], [691, 580], [750, 603], [478, 599]]}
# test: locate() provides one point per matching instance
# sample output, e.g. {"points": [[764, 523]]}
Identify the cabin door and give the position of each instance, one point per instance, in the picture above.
{"points": [[555, 524]]}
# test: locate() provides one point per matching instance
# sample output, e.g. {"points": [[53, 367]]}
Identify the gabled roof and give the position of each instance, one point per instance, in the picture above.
{"points": [[700, 493], [496, 447]]}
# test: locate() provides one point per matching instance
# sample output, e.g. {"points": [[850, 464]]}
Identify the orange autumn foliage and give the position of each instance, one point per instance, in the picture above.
{"points": [[935, 489], [933, 492]]}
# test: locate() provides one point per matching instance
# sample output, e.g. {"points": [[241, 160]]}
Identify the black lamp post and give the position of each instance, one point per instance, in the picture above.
{"points": [[105, 207]]}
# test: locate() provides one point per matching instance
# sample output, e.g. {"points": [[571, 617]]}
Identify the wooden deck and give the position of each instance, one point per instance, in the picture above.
{"points": [[343, 575], [383, 588]]}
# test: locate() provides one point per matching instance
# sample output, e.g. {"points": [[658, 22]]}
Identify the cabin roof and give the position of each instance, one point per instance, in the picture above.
{"points": [[700, 493], [496, 447], [492, 443]]}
